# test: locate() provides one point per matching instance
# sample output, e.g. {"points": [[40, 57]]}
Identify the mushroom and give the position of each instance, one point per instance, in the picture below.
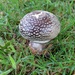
{"points": [[39, 27]]}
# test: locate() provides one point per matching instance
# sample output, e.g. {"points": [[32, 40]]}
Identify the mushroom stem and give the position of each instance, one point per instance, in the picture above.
{"points": [[37, 48]]}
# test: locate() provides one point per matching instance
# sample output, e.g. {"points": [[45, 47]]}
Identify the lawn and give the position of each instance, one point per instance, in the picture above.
{"points": [[15, 56]]}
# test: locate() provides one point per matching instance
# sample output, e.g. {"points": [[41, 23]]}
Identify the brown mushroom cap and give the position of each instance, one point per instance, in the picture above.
{"points": [[39, 26]]}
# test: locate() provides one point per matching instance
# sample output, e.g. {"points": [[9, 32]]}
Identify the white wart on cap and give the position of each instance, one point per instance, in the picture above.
{"points": [[39, 26]]}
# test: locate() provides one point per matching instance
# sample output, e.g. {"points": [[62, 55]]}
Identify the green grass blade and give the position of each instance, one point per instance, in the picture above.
{"points": [[6, 72], [12, 61]]}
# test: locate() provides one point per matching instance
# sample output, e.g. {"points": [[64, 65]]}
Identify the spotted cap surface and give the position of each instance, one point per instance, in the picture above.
{"points": [[39, 26]]}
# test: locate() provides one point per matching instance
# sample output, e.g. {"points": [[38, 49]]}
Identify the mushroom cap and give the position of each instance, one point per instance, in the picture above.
{"points": [[39, 26]]}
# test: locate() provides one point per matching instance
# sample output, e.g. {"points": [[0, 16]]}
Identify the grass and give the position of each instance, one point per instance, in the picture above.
{"points": [[15, 56]]}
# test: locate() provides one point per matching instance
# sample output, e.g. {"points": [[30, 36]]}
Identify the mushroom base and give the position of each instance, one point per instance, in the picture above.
{"points": [[37, 48]]}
